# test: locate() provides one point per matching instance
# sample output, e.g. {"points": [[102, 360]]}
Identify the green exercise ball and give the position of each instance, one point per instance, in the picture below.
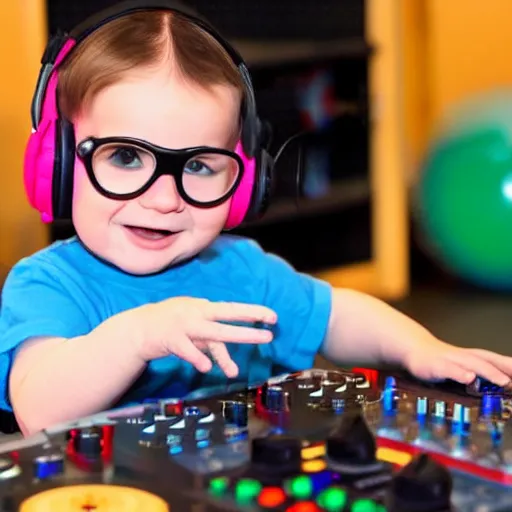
{"points": [[463, 198]]}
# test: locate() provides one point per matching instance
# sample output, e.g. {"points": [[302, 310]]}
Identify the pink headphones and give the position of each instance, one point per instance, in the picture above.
{"points": [[50, 153]]}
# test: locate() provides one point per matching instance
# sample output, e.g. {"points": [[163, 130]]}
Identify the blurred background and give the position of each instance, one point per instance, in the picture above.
{"points": [[406, 162]]}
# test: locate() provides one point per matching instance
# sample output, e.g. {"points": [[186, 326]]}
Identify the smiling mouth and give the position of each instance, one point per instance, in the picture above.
{"points": [[150, 233]]}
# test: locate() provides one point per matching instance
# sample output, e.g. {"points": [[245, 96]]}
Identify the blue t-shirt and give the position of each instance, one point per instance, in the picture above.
{"points": [[65, 291]]}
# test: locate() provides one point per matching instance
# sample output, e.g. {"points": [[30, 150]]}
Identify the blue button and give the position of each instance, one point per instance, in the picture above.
{"points": [[47, 466], [390, 382], [491, 405]]}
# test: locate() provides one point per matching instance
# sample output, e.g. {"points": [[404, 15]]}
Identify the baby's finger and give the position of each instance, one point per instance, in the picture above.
{"points": [[220, 353], [504, 363], [187, 351], [447, 369], [484, 369], [224, 333], [238, 312]]}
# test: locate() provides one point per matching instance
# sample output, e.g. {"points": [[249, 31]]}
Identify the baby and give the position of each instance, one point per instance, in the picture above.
{"points": [[146, 135]]}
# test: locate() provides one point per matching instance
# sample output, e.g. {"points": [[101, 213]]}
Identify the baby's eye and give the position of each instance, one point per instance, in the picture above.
{"points": [[198, 168], [126, 157]]}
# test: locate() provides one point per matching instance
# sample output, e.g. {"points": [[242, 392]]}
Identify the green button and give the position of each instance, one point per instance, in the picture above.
{"points": [[301, 487], [332, 499], [366, 505], [219, 485], [247, 489]]}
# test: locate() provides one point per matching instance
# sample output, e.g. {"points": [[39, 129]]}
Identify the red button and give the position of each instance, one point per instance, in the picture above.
{"points": [[173, 408], [271, 497], [304, 506]]}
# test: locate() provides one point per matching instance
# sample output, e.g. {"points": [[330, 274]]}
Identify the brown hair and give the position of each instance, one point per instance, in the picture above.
{"points": [[142, 39]]}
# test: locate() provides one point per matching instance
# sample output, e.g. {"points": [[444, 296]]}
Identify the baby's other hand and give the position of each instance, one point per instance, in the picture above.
{"points": [[432, 359], [188, 327]]}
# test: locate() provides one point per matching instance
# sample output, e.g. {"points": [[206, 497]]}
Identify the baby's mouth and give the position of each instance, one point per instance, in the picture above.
{"points": [[149, 233]]}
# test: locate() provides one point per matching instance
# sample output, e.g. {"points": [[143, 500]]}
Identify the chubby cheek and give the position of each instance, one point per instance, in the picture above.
{"points": [[91, 211], [210, 221]]}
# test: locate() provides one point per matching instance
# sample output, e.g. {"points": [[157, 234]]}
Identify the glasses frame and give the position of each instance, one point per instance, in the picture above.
{"points": [[169, 162]]}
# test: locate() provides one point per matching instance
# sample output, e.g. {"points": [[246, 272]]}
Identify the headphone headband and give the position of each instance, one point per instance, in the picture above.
{"points": [[95, 21], [251, 127]]}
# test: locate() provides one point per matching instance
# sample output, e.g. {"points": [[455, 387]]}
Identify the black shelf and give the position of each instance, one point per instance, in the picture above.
{"points": [[269, 53], [343, 194]]}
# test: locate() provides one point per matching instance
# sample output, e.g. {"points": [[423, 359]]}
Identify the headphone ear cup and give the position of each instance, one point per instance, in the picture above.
{"points": [[262, 190], [38, 169], [63, 171]]}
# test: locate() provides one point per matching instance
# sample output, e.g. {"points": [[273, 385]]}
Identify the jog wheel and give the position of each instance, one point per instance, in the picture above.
{"points": [[94, 498]]}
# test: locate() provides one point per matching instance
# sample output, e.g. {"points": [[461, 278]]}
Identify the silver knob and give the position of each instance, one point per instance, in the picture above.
{"points": [[422, 406], [439, 410]]}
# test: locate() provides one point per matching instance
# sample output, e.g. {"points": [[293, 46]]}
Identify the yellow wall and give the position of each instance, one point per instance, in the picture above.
{"points": [[452, 49], [22, 40], [470, 43], [387, 273], [415, 69]]}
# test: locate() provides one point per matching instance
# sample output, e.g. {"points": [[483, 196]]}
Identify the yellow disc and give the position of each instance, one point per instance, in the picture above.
{"points": [[94, 498]]}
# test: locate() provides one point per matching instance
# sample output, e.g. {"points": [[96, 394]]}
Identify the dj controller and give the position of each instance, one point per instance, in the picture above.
{"points": [[318, 440]]}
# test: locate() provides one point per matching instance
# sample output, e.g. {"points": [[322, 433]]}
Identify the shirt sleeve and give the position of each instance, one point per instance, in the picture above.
{"points": [[302, 303], [35, 302]]}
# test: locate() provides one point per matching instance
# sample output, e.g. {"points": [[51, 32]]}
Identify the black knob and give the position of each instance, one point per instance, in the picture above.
{"points": [[352, 443], [277, 454], [87, 442], [423, 485]]}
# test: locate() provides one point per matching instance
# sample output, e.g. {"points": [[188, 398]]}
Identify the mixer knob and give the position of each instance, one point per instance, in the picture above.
{"points": [[235, 412], [277, 399], [389, 396], [351, 445], [88, 442], [480, 386], [421, 486], [461, 419], [192, 412], [8, 469], [439, 410], [492, 405], [422, 406], [277, 454], [390, 382], [49, 465]]}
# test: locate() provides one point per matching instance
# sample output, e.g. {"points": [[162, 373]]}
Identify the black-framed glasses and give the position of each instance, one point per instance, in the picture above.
{"points": [[124, 168]]}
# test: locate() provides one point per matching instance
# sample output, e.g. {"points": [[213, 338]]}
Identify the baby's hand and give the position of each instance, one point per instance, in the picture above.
{"points": [[187, 327], [432, 359]]}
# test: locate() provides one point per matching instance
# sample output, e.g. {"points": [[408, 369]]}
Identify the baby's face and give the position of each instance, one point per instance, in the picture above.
{"points": [[164, 109]]}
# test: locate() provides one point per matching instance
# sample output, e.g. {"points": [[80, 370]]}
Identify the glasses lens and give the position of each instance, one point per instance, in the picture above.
{"points": [[210, 176], [122, 168]]}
